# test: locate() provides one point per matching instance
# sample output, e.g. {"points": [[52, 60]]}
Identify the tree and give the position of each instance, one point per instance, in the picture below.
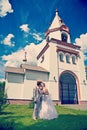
{"points": [[2, 95]]}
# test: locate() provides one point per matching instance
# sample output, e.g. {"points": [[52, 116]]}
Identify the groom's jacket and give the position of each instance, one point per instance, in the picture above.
{"points": [[37, 95]]}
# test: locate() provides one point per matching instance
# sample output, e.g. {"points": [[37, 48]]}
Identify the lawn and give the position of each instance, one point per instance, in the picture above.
{"points": [[19, 117]]}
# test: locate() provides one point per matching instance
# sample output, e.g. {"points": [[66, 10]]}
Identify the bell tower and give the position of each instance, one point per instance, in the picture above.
{"points": [[58, 30]]}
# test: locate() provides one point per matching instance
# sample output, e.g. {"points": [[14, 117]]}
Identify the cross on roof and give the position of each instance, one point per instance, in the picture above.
{"points": [[25, 59]]}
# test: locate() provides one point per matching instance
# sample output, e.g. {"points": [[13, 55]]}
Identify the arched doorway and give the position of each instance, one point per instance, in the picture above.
{"points": [[68, 89]]}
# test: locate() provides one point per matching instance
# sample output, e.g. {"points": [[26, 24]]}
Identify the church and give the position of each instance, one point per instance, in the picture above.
{"points": [[60, 66]]}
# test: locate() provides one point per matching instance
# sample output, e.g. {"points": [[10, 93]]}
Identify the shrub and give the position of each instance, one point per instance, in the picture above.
{"points": [[3, 96]]}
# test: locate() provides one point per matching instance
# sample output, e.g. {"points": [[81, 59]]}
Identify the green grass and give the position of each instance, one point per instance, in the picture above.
{"points": [[19, 117]]}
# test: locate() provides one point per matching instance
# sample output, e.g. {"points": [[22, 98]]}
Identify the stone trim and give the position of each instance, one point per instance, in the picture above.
{"points": [[68, 51], [83, 102], [43, 51], [56, 41], [18, 101], [26, 101], [62, 28]]}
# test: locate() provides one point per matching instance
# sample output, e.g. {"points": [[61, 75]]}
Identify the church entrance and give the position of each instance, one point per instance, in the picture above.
{"points": [[68, 89]]}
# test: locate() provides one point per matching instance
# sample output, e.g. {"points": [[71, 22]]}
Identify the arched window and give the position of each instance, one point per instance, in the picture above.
{"points": [[73, 59], [61, 57], [68, 58], [64, 37]]}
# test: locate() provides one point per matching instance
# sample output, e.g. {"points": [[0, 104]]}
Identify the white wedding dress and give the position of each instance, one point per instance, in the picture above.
{"points": [[48, 110]]}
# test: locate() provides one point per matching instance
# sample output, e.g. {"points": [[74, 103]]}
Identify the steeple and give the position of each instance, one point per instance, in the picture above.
{"points": [[56, 21], [58, 30]]}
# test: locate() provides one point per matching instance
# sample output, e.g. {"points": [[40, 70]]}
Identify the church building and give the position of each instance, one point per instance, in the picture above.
{"points": [[60, 66]]}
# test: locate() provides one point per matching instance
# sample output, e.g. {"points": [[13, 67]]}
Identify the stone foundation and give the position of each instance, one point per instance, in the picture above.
{"points": [[18, 101], [83, 102], [26, 102]]}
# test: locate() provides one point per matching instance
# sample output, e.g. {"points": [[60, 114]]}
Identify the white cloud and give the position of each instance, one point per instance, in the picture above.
{"points": [[15, 59], [82, 41], [5, 7], [2, 70], [37, 37], [7, 40], [2, 80], [24, 28]]}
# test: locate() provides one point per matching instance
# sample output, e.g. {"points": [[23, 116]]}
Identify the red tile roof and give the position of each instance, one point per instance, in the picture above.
{"points": [[14, 70], [34, 68], [25, 66]]}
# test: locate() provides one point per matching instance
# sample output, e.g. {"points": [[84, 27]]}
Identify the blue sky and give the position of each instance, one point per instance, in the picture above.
{"points": [[23, 24]]}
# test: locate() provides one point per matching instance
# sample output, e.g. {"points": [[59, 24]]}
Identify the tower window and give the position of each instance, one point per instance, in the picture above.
{"points": [[73, 59], [61, 57], [67, 58], [64, 37], [42, 59]]}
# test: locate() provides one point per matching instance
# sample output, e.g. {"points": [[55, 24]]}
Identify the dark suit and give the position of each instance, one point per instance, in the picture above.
{"points": [[37, 100]]}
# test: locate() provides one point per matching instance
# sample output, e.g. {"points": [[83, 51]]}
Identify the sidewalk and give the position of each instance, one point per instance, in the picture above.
{"points": [[76, 106]]}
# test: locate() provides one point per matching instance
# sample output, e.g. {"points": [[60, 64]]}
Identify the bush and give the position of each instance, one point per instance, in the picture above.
{"points": [[3, 96]]}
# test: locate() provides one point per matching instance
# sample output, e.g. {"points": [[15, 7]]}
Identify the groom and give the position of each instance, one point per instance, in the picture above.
{"points": [[37, 100]]}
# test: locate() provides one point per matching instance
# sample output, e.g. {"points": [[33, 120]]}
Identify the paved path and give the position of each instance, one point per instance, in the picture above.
{"points": [[75, 106]]}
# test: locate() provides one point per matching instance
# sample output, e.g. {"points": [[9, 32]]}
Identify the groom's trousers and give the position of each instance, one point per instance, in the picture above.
{"points": [[37, 107]]}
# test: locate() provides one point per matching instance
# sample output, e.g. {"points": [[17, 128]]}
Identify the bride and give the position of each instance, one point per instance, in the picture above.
{"points": [[47, 110]]}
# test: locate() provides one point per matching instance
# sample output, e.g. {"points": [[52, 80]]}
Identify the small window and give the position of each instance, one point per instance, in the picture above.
{"points": [[61, 57], [73, 59], [42, 58], [67, 58], [64, 37]]}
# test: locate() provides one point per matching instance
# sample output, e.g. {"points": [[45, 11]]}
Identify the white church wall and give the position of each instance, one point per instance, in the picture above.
{"points": [[13, 90], [53, 77], [55, 34], [83, 82], [63, 66], [30, 82], [53, 90], [83, 92], [20, 87], [45, 63], [81, 67], [50, 63], [82, 77], [29, 85], [14, 85]]}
